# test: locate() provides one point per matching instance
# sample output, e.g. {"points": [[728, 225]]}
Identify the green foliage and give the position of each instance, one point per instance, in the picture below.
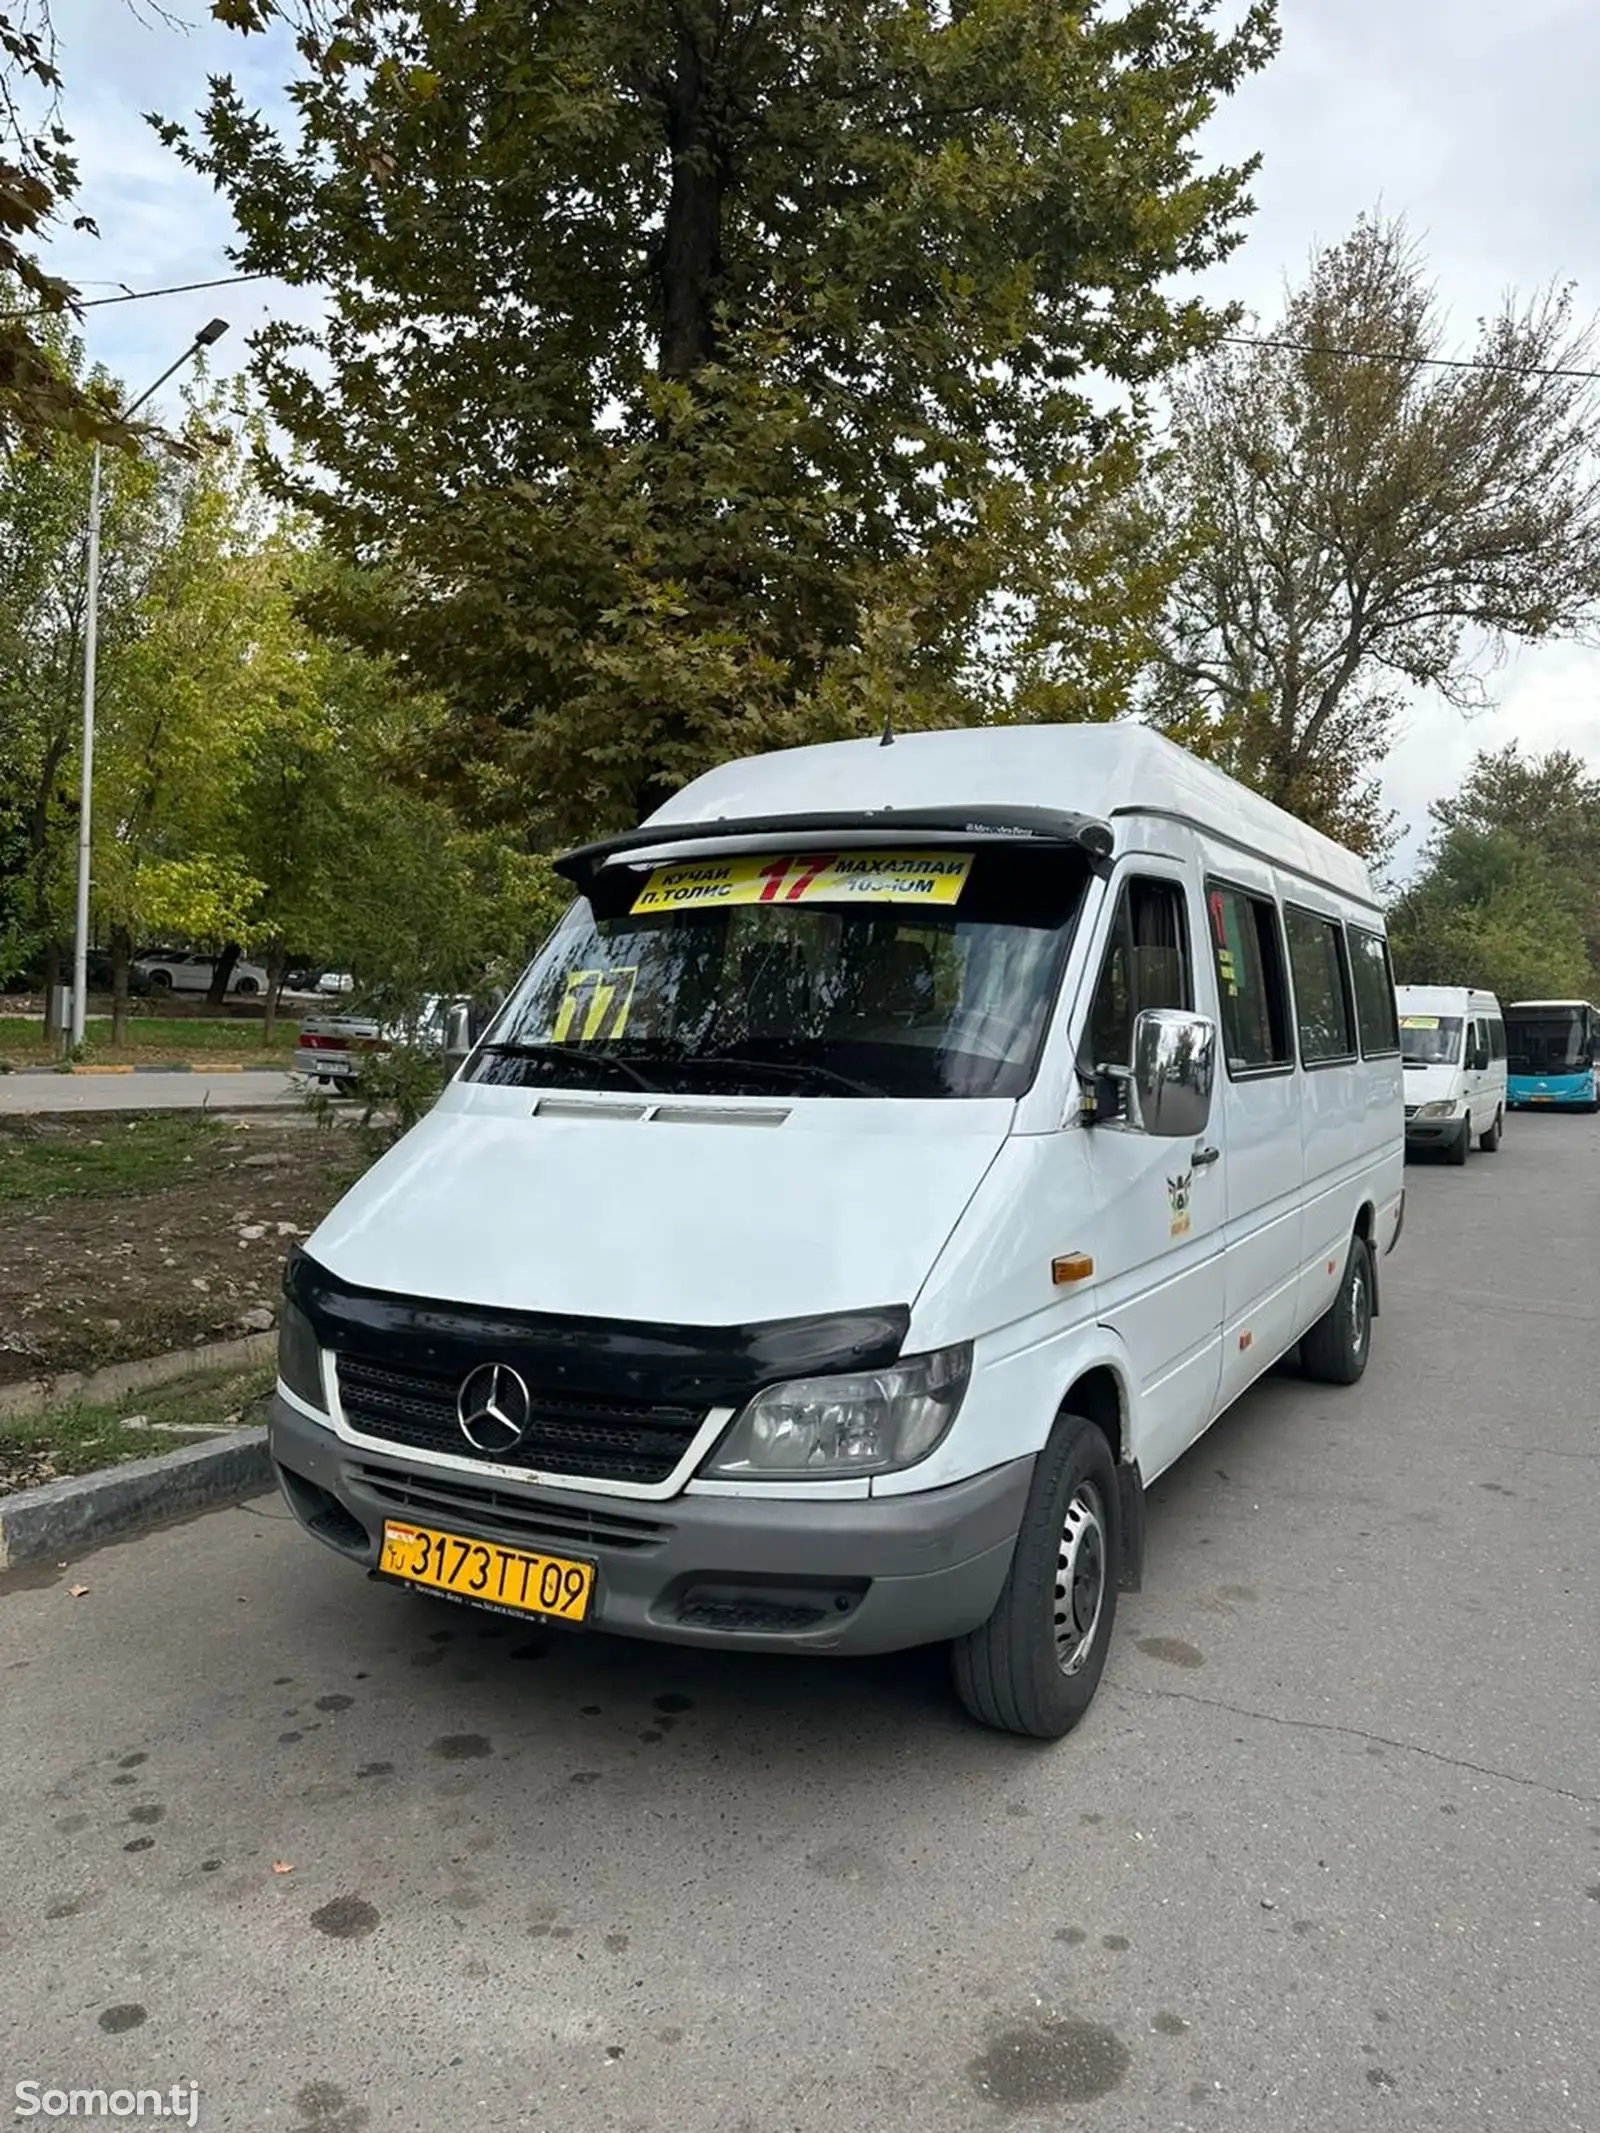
{"points": [[1365, 524], [41, 397], [1509, 895], [709, 376]]}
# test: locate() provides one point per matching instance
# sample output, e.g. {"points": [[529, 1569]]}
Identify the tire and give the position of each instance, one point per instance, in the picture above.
{"points": [[161, 980], [1456, 1153], [1335, 1351], [1024, 1671], [245, 987], [1490, 1141]]}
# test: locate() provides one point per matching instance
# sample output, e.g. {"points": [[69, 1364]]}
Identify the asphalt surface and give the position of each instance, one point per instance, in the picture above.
{"points": [[1325, 1854], [37, 1094]]}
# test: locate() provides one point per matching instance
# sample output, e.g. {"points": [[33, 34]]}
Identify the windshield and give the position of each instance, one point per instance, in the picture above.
{"points": [[1430, 1040], [859, 974], [1553, 1043]]}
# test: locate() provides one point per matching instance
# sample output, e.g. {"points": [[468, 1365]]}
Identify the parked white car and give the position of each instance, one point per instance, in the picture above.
{"points": [[895, 1160], [1453, 1043], [331, 1048], [179, 970]]}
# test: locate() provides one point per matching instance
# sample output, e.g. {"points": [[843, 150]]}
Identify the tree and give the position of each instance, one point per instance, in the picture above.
{"points": [[39, 396], [708, 374], [1491, 910], [44, 495], [1366, 523], [1549, 802]]}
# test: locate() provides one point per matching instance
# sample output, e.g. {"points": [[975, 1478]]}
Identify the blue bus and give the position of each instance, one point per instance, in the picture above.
{"points": [[1552, 1050]]}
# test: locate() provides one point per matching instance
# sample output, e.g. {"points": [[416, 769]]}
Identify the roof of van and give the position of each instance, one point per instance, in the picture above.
{"points": [[1100, 771], [1443, 998]]}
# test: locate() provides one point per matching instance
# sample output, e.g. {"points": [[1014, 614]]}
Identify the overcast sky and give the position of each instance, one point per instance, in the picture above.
{"points": [[1472, 118]]}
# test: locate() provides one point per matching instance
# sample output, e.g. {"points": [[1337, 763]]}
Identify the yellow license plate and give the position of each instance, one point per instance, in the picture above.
{"points": [[510, 1579]]}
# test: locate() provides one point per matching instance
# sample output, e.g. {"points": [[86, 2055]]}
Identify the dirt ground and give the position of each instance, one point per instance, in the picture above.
{"points": [[129, 1260]]}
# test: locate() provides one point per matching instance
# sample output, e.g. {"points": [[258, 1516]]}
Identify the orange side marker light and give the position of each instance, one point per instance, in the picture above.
{"points": [[1071, 1266]]}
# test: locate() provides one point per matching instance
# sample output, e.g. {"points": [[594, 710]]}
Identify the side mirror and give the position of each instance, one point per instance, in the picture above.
{"points": [[1174, 1067], [457, 1031]]}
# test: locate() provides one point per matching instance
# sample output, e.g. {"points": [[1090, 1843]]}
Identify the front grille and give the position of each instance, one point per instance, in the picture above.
{"points": [[1412, 1110], [568, 1433], [525, 1520]]}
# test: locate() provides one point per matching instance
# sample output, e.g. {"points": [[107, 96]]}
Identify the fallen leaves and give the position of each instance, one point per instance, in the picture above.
{"points": [[76, 1592], [282, 1866]]}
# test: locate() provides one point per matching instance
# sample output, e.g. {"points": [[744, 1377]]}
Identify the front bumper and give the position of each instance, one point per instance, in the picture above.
{"points": [[751, 1573], [1435, 1132]]}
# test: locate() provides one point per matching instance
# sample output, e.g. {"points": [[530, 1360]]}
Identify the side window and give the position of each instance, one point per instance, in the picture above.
{"points": [[1497, 1039], [1480, 1038], [1148, 964], [1250, 980], [1374, 988], [1321, 987]]}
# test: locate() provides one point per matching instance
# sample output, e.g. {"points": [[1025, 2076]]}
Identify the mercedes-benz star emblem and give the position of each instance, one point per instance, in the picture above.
{"points": [[493, 1408]]}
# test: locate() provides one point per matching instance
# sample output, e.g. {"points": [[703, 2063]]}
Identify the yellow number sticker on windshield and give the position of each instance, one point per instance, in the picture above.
{"points": [[807, 877], [1419, 1021], [595, 1004]]}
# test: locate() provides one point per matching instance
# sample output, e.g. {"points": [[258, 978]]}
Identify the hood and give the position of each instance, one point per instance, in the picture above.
{"points": [[690, 1214], [1428, 1084]]}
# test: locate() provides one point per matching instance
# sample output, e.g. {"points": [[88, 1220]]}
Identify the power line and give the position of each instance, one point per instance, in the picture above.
{"points": [[177, 288], [1381, 355], [140, 296]]}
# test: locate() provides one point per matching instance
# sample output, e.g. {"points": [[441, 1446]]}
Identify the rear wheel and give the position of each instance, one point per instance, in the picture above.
{"points": [[246, 985], [1336, 1348], [1035, 1664], [1490, 1141]]}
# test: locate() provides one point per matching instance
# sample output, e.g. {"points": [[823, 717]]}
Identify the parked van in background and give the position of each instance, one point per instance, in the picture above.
{"points": [[1453, 1042], [895, 1159]]}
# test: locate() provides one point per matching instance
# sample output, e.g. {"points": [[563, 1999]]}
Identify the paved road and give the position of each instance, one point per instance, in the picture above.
{"points": [[1326, 1854], [39, 1093]]}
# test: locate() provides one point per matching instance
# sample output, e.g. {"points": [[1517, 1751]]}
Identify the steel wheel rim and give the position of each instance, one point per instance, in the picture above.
{"points": [[1359, 1320], [1080, 1585]]}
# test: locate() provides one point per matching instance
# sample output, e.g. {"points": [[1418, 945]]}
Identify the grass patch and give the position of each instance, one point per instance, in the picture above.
{"points": [[79, 1439], [154, 1040], [40, 1164]]}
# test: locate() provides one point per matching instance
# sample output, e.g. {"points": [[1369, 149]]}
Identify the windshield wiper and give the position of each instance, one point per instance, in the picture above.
{"points": [[801, 1070], [571, 1055]]}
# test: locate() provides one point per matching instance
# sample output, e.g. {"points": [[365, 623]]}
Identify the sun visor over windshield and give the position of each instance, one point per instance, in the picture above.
{"points": [[664, 844]]}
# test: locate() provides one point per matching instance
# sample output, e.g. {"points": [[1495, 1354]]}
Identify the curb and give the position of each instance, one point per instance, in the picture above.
{"points": [[36, 1396], [88, 1509], [186, 1066]]}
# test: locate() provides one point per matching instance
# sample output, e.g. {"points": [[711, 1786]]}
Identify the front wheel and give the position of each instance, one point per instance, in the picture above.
{"points": [[161, 980], [1336, 1349], [246, 986], [1456, 1153], [1490, 1141], [1035, 1664]]}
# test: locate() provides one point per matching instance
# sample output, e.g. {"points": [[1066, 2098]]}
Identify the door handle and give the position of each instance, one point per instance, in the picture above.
{"points": [[1202, 1156]]}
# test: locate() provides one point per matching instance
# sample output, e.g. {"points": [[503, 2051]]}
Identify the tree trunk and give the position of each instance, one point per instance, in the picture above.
{"points": [[52, 979], [689, 263], [121, 956], [277, 963], [222, 975]]}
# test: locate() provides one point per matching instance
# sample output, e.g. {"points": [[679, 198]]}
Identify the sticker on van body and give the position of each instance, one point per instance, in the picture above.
{"points": [[807, 877], [1178, 1190]]}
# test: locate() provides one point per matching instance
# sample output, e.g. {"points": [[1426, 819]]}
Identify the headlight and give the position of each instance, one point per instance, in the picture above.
{"points": [[822, 1429], [1437, 1110], [299, 1356]]}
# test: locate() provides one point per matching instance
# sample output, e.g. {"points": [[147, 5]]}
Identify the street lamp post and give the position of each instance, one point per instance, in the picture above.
{"points": [[207, 337]]}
